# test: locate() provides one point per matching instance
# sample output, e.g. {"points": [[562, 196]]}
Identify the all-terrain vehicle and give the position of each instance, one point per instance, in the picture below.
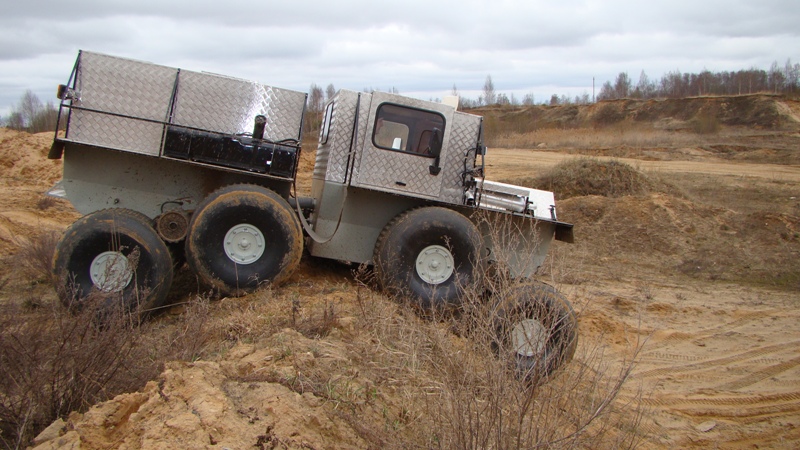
{"points": [[169, 164]]}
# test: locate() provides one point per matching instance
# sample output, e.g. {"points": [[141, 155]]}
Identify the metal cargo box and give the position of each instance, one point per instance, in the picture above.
{"points": [[139, 107]]}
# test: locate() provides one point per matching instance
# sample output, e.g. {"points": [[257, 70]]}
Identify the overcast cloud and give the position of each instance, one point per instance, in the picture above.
{"points": [[420, 47]]}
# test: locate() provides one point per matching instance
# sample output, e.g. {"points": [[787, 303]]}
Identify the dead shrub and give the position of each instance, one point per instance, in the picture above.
{"points": [[53, 362], [55, 359], [35, 254], [46, 202], [461, 380]]}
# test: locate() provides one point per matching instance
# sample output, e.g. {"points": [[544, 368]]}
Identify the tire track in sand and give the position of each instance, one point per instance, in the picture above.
{"points": [[750, 354], [760, 375]]}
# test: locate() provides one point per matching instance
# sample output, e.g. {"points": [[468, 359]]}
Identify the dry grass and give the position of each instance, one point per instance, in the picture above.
{"points": [[35, 254], [445, 379], [620, 135], [402, 378], [460, 390], [53, 362]]}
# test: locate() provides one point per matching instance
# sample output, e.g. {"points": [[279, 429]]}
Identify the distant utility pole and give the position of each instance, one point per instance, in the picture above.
{"points": [[592, 89]]}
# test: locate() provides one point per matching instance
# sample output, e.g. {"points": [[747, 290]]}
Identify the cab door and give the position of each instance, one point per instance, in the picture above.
{"points": [[399, 152]]}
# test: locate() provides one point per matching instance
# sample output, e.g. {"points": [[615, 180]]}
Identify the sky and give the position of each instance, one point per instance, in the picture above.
{"points": [[422, 48]]}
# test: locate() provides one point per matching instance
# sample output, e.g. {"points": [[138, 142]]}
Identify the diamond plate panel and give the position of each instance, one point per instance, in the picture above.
{"points": [[229, 105], [461, 148], [363, 125], [142, 92], [331, 162], [121, 86], [388, 169], [394, 171]]}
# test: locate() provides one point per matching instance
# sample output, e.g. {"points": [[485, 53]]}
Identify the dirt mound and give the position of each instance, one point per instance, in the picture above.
{"points": [[229, 404], [589, 176], [23, 157]]}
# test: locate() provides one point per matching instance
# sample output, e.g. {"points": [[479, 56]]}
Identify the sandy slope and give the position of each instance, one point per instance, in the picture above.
{"points": [[720, 366]]}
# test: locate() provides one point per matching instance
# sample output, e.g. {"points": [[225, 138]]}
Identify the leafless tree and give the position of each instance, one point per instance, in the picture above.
{"points": [[776, 78], [528, 99], [330, 91], [607, 92], [622, 85], [645, 88], [15, 121], [792, 75], [489, 95], [29, 106], [316, 98]]}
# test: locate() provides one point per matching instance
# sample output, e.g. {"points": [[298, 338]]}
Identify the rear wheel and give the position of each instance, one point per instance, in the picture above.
{"points": [[242, 236], [114, 253], [538, 329], [431, 254]]}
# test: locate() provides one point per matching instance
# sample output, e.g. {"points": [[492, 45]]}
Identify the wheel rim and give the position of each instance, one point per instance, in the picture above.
{"points": [[529, 337], [244, 244], [435, 264], [110, 271]]}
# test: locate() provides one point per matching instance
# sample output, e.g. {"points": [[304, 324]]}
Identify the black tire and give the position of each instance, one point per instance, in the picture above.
{"points": [[430, 254], [242, 236], [116, 254], [538, 329]]}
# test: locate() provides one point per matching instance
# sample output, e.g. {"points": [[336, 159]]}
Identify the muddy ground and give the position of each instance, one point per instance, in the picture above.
{"points": [[705, 274]]}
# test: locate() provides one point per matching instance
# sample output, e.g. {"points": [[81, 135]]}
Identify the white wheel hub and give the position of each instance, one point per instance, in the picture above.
{"points": [[435, 264], [110, 271], [244, 244], [529, 337]]}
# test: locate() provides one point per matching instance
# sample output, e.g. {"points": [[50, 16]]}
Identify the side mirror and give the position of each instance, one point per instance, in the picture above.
{"points": [[65, 92], [435, 149]]}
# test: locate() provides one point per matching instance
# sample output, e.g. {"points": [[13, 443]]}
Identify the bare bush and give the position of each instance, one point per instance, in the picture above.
{"points": [[53, 362], [58, 359], [461, 374], [35, 255], [46, 202]]}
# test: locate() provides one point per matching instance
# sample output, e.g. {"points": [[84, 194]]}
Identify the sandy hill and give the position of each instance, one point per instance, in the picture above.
{"points": [[757, 111]]}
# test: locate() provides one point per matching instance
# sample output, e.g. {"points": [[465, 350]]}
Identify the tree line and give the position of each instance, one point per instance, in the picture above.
{"points": [[777, 80]]}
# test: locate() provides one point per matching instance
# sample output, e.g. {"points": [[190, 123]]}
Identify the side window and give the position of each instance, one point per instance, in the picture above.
{"points": [[406, 129], [326, 124]]}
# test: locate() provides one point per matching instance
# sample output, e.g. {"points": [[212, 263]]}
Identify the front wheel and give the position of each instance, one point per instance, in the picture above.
{"points": [[116, 254], [537, 328], [431, 254], [242, 236]]}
